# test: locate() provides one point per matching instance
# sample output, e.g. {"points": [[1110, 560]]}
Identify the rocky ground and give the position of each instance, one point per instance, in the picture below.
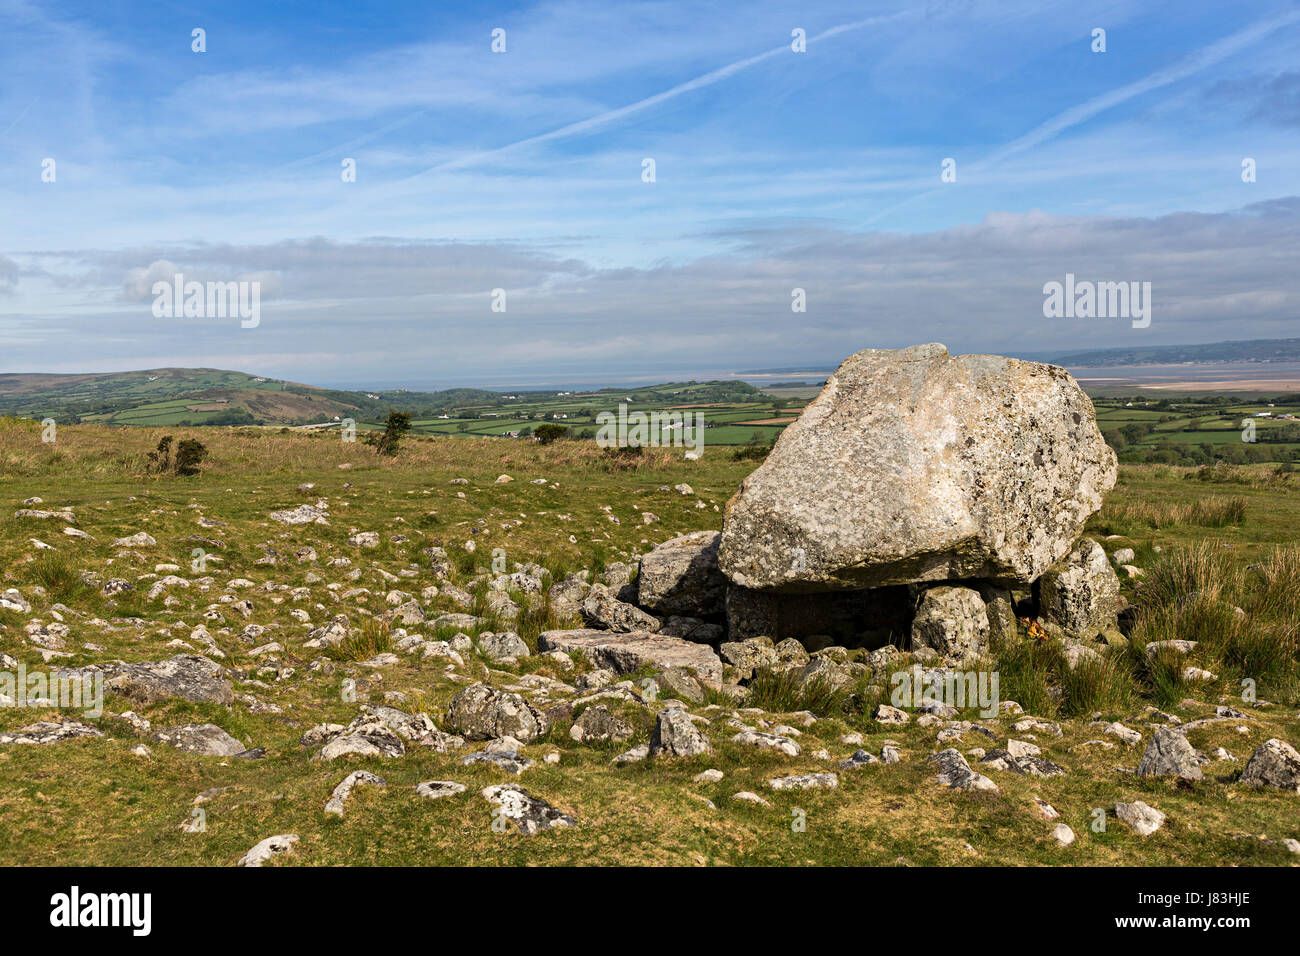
{"points": [[329, 661]]}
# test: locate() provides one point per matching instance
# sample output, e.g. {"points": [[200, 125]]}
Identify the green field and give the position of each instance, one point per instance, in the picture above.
{"points": [[109, 804]]}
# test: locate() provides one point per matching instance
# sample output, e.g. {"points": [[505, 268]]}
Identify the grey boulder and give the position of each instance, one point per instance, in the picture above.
{"points": [[916, 465]]}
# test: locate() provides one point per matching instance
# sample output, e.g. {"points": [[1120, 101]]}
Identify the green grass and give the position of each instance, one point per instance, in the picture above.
{"points": [[108, 806]]}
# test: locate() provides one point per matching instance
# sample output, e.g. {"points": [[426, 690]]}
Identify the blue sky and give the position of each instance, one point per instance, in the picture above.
{"points": [[522, 170]]}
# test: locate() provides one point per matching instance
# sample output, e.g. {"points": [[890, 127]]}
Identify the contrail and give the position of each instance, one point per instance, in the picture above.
{"points": [[18, 119], [1198, 61], [1075, 115], [613, 116]]}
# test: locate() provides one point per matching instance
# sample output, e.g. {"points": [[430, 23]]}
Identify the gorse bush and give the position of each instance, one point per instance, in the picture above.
{"points": [[181, 459]]}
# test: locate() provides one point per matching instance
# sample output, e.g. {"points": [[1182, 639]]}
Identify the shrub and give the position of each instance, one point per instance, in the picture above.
{"points": [[549, 432], [395, 426]]}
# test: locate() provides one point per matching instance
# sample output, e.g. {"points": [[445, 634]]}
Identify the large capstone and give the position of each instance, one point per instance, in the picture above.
{"points": [[916, 465]]}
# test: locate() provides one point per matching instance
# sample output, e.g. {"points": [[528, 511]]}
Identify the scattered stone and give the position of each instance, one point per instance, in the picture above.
{"points": [[1169, 755], [1063, 835], [435, 789], [344, 789], [529, 814], [482, 712], [756, 738], [1274, 763], [207, 740], [601, 609], [892, 716], [805, 781], [628, 653], [676, 735], [189, 677], [271, 846], [1140, 818], [955, 773], [50, 732], [598, 723]]}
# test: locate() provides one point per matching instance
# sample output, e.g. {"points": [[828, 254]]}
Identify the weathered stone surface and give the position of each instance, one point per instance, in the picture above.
{"points": [[208, 740], [755, 738], [915, 465], [952, 621], [529, 814], [435, 789], [598, 723], [1021, 761], [1080, 594], [749, 656], [268, 848], [805, 781], [955, 773], [341, 793], [482, 712], [886, 714], [187, 676], [511, 761], [1168, 754], [1140, 818], [627, 653], [50, 732], [600, 608], [505, 644], [676, 735], [681, 683], [681, 576], [1000, 608], [303, 514], [1274, 764]]}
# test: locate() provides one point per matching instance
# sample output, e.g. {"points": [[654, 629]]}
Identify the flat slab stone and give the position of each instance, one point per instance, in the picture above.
{"points": [[627, 653]]}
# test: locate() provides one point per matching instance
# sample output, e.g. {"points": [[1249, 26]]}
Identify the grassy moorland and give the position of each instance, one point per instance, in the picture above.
{"points": [[1208, 542]]}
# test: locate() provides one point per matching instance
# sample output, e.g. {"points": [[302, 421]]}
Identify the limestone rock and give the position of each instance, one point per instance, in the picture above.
{"points": [[676, 735], [1080, 594], [628, 653], [600, 608], [1168, 754], [208, 740], [1274, 764], [916, 465], [681, 576], [482, 712], [598, 723], [186, 676], [268, 848], [1140, 818], [529, 814], [952, 621], [335, 803]]}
